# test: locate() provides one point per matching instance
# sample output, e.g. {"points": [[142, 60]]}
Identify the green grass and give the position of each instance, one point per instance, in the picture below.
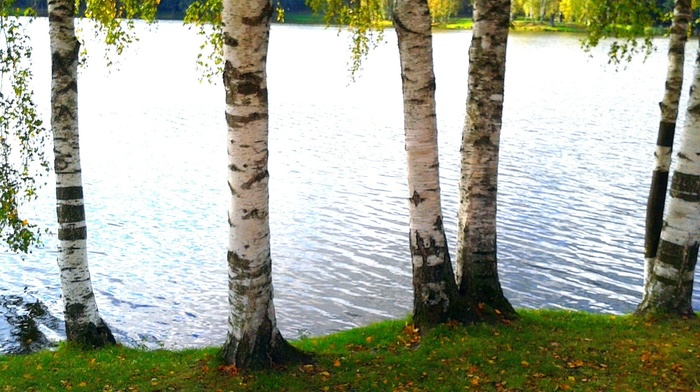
{"points": [[543, 351]]}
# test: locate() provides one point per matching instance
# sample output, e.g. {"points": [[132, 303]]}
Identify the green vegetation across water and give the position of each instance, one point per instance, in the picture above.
{"points": [[452, 24], [543, 351]]}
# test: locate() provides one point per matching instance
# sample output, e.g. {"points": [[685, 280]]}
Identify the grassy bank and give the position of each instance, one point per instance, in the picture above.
{"points": [[544, 351]]}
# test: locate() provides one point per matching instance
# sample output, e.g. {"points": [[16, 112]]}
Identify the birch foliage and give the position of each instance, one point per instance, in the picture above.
{"points": [[23, 161]]}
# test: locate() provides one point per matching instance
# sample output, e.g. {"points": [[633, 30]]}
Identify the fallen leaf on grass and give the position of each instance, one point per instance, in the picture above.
{"points": [[231, 370]]}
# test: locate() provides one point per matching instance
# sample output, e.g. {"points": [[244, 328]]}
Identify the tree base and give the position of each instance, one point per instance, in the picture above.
{"points": [[264, 356], [91, 336]]}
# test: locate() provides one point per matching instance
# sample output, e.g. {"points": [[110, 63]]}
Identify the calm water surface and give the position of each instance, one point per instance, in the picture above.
{"points": [[577, 143]]}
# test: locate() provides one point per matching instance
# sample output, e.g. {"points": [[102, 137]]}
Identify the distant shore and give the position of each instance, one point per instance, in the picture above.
{"points": [[459, 23]]}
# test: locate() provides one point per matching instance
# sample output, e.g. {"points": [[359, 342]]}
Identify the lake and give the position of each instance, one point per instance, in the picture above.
{"points": [[576, 160]]}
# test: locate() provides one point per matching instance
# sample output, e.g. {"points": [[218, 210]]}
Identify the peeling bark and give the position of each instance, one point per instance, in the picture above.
{"points": [[83, 322], [477, 272], [253, 339], [436, 298]]}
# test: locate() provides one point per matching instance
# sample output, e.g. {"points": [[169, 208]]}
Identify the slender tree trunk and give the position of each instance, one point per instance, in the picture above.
{"points": [[435, 295], [253, 338], [669, 287], [83, 322], [477, 272], [682, 14]]}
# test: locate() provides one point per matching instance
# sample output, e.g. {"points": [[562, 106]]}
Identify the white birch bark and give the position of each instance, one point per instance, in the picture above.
{"points": [[669, 287], [477, 272], [667, 127], [436, 298], [253, 338], [83, 322]]}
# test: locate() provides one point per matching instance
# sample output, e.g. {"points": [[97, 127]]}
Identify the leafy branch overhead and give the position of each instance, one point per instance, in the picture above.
{"points": [[23, 160], [629, 23], [113, 22], [362, 18], [22, 135]]}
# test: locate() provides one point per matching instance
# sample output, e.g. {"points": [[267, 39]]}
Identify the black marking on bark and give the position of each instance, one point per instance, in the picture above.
{"points": [[230, 41], [69, 193], [667, 131], [260, 176], [230, 188], [236, 121], [438, 224], [416, 199], [68, 213], [249, 88], [60, 12], [681, 257], [683, 156], [253, 214], [72, 234], [655, 212], [483, 141], [68, 88], [234, 168], [257, 20], [685, 187], [75, 310]]}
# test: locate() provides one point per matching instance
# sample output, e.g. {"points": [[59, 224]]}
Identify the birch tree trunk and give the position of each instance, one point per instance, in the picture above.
{"points": [[667, 127], [253, 338], [435, 295], [83, 322], [477, 272], [669, 287]]}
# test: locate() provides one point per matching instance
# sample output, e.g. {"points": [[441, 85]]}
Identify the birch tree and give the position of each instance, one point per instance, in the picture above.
{"points": [[477, 271], [678, 36], [253, 339], [83, 322], [669, 286], [435, 295]]}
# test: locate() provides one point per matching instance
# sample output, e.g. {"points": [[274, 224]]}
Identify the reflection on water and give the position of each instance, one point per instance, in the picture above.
{"points": [[577, 143], [25, 323]]}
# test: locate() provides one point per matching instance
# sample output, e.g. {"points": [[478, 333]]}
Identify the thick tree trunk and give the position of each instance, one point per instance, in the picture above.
{"points": [[435, 295], [83, 322], [477, 272], [667, 127], [253, 338], [669, 286]]}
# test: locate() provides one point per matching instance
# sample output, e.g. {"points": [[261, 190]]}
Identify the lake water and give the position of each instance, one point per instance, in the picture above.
{"points": [[576, 159]]}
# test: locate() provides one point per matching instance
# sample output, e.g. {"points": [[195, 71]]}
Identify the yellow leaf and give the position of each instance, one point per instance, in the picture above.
{"points": [[336, 363], [82, 384], [475, 381], [369, 339], [39, 367], [525, 363], [326, 374]]}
